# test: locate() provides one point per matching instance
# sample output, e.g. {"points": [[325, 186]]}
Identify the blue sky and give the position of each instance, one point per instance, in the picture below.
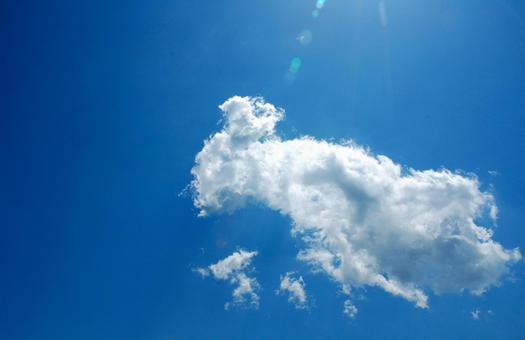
{"points": [[105, 105]]}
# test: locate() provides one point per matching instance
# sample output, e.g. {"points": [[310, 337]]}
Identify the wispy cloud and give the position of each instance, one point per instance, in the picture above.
{"points": [[349, 309], [232, 269]]}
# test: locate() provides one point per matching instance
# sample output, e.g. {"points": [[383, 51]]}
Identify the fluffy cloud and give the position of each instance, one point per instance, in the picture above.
{"points": [[364, 220], [294, 287], [232, 269]]}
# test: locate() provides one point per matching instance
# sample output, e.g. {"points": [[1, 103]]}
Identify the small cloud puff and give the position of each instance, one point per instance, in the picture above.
{"points": [[476, 313], [295, 288], [232, 269], [349, 309], [204, 272], [364, 219]]}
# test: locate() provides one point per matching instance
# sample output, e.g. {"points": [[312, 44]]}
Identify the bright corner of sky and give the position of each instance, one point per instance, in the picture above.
{"points": [[362, 178]]}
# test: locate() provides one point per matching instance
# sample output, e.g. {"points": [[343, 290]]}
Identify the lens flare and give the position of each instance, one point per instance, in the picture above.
{"points": [[295, 65], [382, 14], [320, 4], [305, 37]]}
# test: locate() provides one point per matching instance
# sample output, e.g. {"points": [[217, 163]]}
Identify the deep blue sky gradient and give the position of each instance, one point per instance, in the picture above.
{"points": [[104, 105]]}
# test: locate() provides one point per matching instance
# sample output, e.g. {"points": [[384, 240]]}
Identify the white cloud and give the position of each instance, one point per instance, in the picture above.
{"points": [[365, 220], [232, 269], [204, 272], [493, 213], [294, 286], [349, 309], [233, 264], [476, 313]]}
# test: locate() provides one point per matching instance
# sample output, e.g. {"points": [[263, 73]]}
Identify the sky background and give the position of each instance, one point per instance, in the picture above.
{"points": [[104, 105]]}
